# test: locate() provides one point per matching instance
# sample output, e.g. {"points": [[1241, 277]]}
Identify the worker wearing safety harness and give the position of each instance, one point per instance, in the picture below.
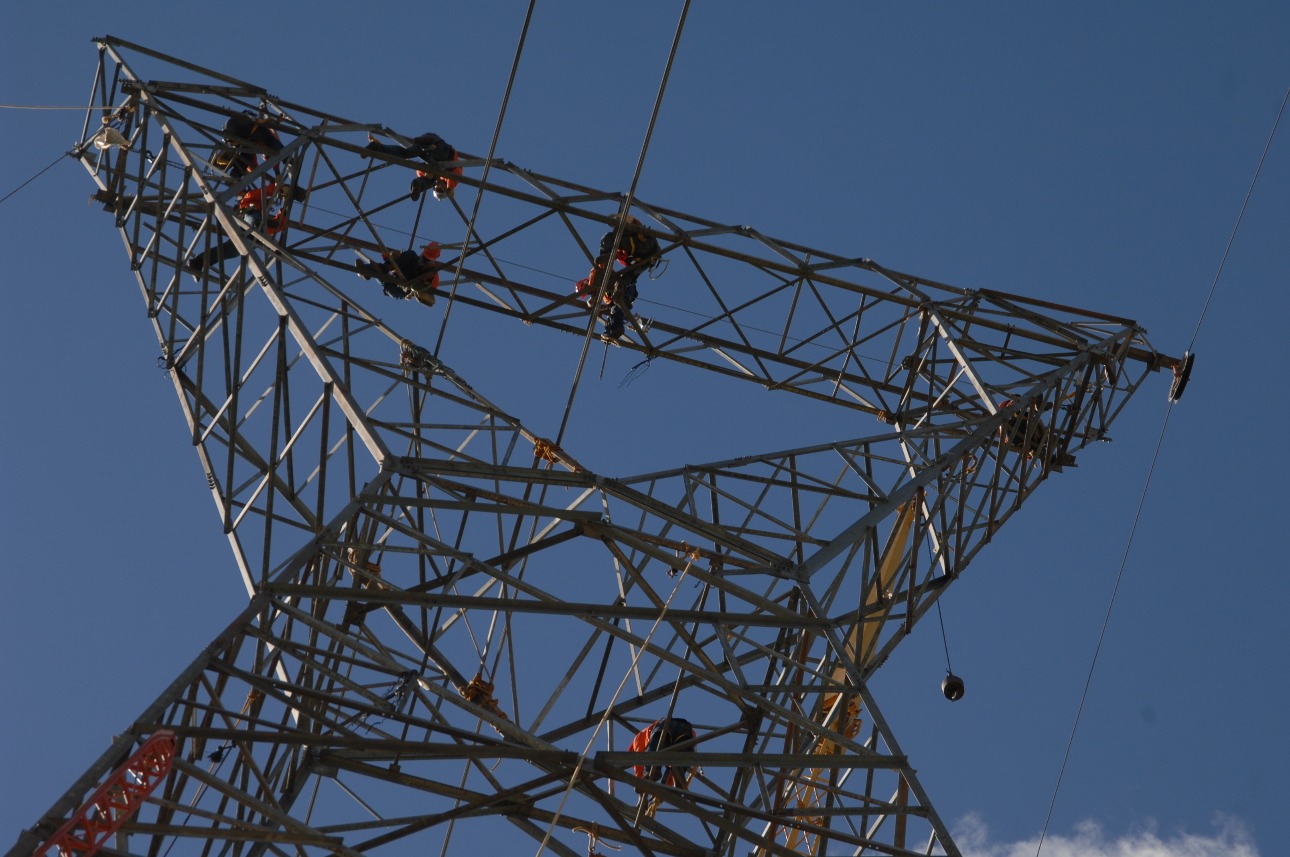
{"points": [[260, 208], [637, 251], [664, 734], [406, 275], [246, 138], [428, 147]]}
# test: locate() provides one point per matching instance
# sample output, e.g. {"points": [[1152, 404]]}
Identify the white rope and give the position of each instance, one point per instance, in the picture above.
{"points": [[631, 669]]}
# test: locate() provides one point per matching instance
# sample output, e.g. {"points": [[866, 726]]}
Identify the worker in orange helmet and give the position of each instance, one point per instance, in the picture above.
{"points": [[429, 147], [637, 251], [664, 734], [259, 208], [405, 275]]}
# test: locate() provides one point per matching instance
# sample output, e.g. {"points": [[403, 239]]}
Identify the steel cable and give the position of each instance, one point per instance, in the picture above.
{"points": [[492, 147], [618, 233], [1124, 559]]}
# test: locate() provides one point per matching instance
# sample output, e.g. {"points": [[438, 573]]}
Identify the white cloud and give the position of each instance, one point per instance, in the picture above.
{"points": [[1228, 839]]}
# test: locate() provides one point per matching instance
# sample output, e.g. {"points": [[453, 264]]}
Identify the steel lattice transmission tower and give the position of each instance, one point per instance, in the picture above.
{"points": [[454, 625]]}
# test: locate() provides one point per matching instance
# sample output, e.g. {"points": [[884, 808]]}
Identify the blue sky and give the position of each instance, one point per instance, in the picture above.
{"points": [[1094, 156]]}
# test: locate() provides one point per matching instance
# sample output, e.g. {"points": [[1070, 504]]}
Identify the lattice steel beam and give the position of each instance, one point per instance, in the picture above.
{"points": [[449, 613]]}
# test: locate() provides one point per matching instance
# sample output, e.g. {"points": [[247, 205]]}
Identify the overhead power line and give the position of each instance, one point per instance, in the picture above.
{"points": [[1142, 499]]}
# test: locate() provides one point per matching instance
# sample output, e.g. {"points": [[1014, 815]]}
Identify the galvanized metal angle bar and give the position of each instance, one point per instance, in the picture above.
{"points": [[201, 331], [233, 441], [341, 391], [754, 506], [285, 109], [502, 505], [236, 421], [929, 472], [502, 802], [110, 43], [367, 745], [903, 281], [235, 189], [675, 348], [702, 758], [611, 487], [880, 725], [325, 707], [719, 684], [163, 826], [228, 830], [605, 531], [696, 805], [246, 763], [934, 456], [122, 744], [294, 830], [965, 365], [390, 594], [283, 611]]}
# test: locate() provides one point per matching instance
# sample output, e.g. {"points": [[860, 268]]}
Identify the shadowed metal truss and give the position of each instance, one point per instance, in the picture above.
{"points": [[453, 622]]}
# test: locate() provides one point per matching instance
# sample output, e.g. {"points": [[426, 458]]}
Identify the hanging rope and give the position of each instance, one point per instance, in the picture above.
{"points": [[627, 674], [1124, 559], [635, 372], [593, 839], [622, 220], [944, 639]]}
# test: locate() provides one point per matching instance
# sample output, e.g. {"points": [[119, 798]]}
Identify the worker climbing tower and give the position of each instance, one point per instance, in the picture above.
{"points": [[456, 632]]}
